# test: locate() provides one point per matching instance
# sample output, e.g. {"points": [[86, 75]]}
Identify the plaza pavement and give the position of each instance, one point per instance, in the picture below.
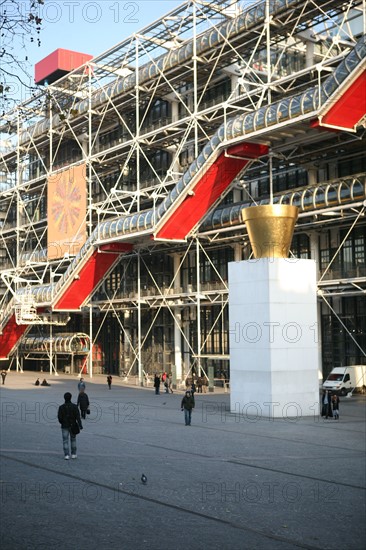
{"points": [[228, 482]]}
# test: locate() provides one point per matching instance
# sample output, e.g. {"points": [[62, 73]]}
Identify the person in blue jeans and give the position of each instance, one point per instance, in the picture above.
{"points": [[68, 415], [187, 406]]}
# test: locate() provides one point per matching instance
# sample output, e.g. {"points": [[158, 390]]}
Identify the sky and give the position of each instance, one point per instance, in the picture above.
{"points": [[91, 27]]}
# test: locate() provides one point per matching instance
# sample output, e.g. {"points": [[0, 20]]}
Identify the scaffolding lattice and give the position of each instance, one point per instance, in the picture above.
{"points": [[26, 312], [138, 116], [25, 309]]}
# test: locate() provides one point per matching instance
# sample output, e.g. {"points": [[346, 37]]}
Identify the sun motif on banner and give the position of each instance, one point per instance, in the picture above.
{"points": [[66, 204]]}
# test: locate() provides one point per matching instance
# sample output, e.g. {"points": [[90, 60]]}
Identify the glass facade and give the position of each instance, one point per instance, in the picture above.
{"points": [[343, 333]]}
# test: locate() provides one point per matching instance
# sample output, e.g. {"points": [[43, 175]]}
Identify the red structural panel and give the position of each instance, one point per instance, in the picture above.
{"points": [[208, 189], [350, 108], [57, 64], [12, 332], [90, 275]]}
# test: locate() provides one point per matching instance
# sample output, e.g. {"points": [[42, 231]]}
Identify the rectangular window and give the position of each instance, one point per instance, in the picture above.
{"points": [[354, 254]]}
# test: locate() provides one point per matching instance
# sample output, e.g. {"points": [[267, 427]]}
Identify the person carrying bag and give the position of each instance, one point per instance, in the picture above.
{"points": [[69, 418]]}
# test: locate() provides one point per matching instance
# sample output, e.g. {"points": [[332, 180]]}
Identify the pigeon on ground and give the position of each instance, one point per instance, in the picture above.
{"points": [[143, 479]]}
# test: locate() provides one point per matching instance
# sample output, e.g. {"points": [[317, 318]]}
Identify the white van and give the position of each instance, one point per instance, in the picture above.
{"points": [[345, 379]]}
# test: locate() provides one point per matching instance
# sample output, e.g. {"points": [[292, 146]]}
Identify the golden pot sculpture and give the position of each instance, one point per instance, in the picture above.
{"points": [[270, 229]]}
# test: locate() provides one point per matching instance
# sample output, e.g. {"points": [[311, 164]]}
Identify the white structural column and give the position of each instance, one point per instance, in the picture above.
{"points": [[238, 251], [177, 321], [177, 344], [273, 338], [314, 247], [127, 350]]}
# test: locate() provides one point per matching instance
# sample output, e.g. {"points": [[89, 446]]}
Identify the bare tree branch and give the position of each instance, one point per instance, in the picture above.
{"points": [[20, 26]]}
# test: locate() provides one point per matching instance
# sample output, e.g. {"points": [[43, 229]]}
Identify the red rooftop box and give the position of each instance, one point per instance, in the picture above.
{"points": [[57, 64]]}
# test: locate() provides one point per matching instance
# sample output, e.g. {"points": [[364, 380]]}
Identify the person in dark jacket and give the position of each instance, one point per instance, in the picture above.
{"points": [[81, 384], [335, 406], [109, 381], [187, 405], [68, 415], [83, 403], [157, 384], [327, 404]]}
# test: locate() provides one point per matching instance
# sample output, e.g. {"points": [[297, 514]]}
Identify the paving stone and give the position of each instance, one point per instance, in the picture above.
{"points": [[226, 482]]}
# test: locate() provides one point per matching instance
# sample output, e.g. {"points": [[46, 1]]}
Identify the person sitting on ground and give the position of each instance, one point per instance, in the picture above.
{"points": [[45, 383], [36, 383]]}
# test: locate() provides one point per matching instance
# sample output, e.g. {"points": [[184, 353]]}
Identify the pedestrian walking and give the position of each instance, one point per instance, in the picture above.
{"points": [[83, 403], [81, 384], [326, 404], [335, 406], [69, 418], [109, 381], [222, 376], [3, 375], [187, 406], [166, 383], [199, 384], [169, 380], [157, 384]]}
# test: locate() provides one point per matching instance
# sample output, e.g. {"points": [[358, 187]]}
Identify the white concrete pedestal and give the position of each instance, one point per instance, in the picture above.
{"points": [[273, 338]]}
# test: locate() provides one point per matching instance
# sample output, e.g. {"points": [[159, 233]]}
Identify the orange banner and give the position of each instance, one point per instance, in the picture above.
{"points": [[66, 212]]}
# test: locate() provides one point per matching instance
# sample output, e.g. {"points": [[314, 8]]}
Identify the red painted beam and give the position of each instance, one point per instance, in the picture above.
{"points": [[12, 332], [349, 108], [90, 276], [208, 189]]}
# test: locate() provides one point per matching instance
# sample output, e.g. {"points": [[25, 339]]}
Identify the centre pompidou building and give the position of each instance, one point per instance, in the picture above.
{"points": [[124, 178]]}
